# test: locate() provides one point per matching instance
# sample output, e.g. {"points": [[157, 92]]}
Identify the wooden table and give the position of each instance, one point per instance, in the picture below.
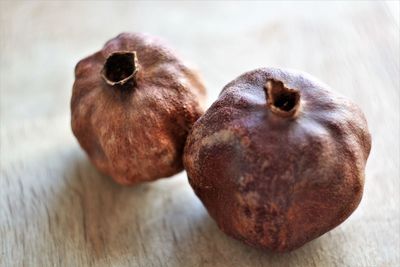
{"points": [[57, 210]]}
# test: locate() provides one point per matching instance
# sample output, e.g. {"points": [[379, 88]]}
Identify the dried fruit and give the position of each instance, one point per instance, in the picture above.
{"points": [[278, 160], [132, 106]]}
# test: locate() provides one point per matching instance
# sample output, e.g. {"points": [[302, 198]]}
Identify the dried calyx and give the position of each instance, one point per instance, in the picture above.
{"points": [[120, 69], [282, 101]]}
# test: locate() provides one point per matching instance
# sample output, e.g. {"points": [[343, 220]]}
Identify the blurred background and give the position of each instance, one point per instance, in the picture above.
{"points": [[57, 210], [221, 39]]}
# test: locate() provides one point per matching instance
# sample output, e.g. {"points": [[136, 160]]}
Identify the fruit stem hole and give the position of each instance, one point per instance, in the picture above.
{"points": [[120, 68], [282, 100]]}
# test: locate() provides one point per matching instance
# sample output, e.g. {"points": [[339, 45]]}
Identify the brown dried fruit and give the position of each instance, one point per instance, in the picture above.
{"points": [[278, 160], [132, 106]]}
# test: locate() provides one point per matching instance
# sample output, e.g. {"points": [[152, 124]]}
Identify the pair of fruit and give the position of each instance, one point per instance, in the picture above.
{"points": [[277, 160]]}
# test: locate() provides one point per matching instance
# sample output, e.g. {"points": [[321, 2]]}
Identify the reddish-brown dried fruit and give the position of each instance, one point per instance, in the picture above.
{"points": [[278, 160], [132, 105]]}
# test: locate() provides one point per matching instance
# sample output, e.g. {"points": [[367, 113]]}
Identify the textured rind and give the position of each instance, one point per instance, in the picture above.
{"points": [[138, 134], [273, 182]]}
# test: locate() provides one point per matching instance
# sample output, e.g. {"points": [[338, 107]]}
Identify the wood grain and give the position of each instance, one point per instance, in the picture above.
{"points": [[57, 210]]}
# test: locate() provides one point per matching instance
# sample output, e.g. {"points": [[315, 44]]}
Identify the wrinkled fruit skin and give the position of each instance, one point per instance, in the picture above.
{"points": [[276, 182], [136, 134]]}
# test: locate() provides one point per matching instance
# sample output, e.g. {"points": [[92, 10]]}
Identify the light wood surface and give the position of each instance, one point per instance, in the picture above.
{"points": [[57, 210]]}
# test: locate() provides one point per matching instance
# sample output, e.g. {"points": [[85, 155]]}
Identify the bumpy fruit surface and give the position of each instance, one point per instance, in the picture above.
{"points": [[132, 106], [278, 159]]}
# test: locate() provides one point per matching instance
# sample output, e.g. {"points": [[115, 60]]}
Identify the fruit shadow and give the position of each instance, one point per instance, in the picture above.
{"points": [[93, 216], [161, 223], [202, 243]]}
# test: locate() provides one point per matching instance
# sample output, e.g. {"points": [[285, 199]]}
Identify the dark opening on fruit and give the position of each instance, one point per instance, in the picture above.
{"points": [[120, 68], [282, 100]]}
